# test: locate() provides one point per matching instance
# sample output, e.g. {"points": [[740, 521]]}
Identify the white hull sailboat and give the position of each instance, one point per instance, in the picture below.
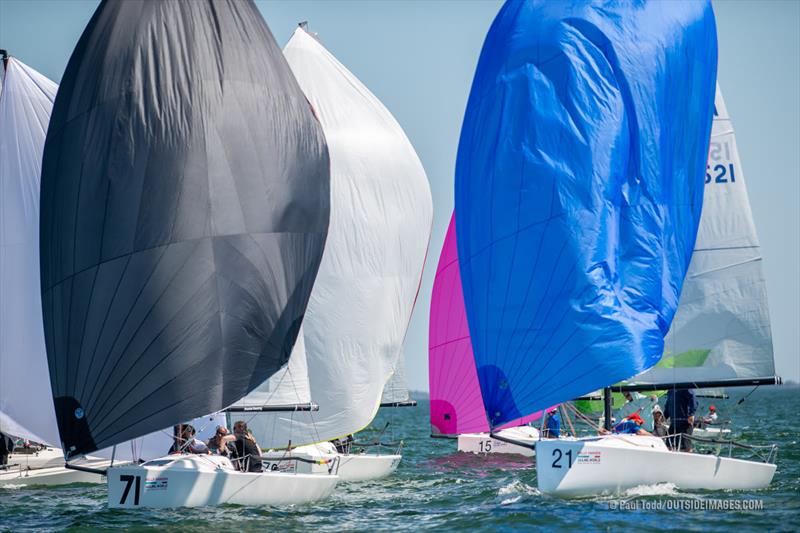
{"points": [[201, 480], [351, 466], [18, 474], [711, 432], [484, 443], [613, 464]]}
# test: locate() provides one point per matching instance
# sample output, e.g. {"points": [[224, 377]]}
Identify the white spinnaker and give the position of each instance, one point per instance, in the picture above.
{"points": [[396, 389], [381, 214], [26, 401], [722, 328]]}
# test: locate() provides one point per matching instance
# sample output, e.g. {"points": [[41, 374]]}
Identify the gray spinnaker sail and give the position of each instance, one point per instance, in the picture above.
{"points": [[185, 206]]}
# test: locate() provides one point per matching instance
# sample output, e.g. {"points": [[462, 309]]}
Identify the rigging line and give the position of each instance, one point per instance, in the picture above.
{"points": [[450, 341], [743, 398]]}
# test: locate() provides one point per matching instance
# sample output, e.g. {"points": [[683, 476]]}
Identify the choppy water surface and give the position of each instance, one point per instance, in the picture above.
{"points": [[437, 488]]}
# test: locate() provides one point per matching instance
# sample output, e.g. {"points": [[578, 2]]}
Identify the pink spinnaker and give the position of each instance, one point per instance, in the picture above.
{"points": [[456, 401]]}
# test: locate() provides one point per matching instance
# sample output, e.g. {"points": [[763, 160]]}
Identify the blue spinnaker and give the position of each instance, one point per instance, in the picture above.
{"points": [[579, 185]]}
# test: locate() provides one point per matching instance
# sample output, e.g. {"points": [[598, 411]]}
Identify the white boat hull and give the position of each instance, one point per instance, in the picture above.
{"points": [[53, 475], [45, 458], [46, 467], [711, 433], [614, 464], [351, 467], [483, 443], [202, 480]]}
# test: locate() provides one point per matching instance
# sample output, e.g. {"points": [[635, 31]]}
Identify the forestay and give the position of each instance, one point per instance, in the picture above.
{"points": [[579, 184], [381, 215], [722, 328], [185, 205], [26, 401]]}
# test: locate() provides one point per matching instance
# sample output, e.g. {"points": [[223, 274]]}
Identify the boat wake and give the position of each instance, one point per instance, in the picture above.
{"points": [[658, 489], [515, 491]]}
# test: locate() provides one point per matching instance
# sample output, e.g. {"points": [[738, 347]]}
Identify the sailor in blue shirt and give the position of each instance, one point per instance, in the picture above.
{"points": [[553, 424], [631, 425]]}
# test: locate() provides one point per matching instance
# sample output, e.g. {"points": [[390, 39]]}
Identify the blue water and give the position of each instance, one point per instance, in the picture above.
{"points": [[436, 488]]}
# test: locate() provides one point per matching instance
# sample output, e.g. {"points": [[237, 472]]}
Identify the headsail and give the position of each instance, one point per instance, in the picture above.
{"points": [[722, 328], [26, 402], [185, 203], [396, 389], [381, 215], [456, 404], [578, 192]]}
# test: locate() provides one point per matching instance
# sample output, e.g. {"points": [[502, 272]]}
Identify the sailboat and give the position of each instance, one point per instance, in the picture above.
{"points": [[456, 404], [26, 406], [358, 314], [184, 211], [395, 392], [721, 334], [579, 188]]}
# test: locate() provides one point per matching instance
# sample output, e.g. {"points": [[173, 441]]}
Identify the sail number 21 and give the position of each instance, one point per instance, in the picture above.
{"points": [[558, 455]]}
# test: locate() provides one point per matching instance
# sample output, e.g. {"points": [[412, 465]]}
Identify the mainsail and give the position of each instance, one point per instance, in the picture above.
{"points": [[456, 404], [381, 215], [722, 328], [185, 204], [579, 184], [26, 402], [396, 389]]}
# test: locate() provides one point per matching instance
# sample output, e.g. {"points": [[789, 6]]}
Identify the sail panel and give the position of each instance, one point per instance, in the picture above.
{"points": [[185, 204], [456, 404], [26, 402], [578, 192], [381, 212], [722, 328]]}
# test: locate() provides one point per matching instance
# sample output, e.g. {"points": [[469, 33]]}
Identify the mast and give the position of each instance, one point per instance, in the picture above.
{"points": [[607, 401]]}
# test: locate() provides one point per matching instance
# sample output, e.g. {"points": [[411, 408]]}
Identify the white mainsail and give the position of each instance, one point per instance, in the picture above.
{"points": [[26, 401], [722, 328], [288, 386], [381, 213]]}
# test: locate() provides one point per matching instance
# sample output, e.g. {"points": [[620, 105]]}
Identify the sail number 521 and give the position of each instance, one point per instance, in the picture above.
{"points": [[558, 455]]}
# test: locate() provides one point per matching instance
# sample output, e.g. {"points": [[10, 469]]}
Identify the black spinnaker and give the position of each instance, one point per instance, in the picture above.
{"points": [[184, 211]]}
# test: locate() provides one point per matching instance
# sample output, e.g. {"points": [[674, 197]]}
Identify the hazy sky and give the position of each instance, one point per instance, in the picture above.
{"points": [[418, 57]]}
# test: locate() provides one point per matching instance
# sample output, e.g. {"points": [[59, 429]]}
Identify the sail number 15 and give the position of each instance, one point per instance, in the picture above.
{"points": [[558, 455]]}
